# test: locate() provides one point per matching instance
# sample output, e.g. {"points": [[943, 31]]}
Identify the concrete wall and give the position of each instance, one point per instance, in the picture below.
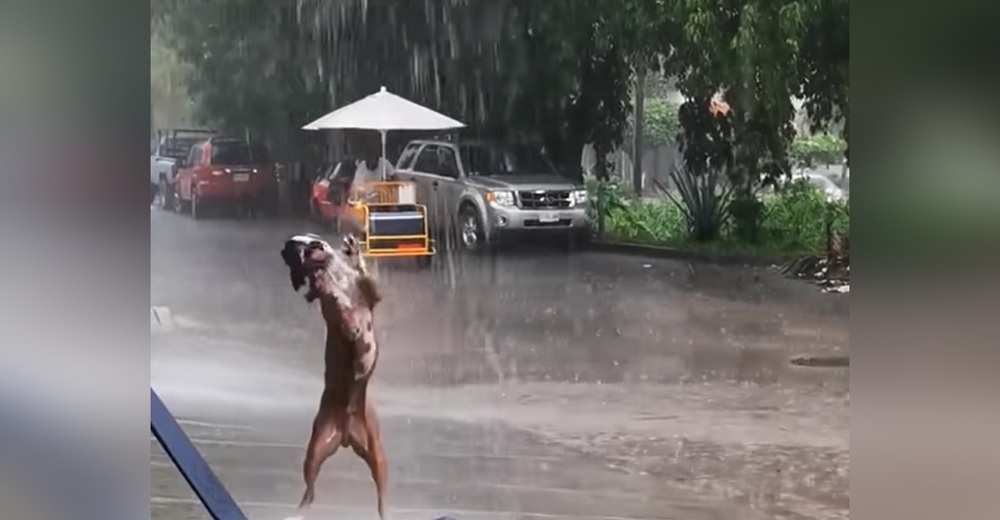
{"points": [[656, 164]]}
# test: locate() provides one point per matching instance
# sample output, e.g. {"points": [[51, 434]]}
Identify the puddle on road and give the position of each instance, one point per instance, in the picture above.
{"points": [[163, 319], [822, 361], [742, 365]]}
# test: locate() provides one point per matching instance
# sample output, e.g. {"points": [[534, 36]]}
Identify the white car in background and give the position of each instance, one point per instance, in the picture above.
{"points": [[818, 179], [822, 183]]}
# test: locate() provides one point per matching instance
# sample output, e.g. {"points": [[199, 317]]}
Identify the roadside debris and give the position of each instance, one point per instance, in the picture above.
{"points": [[831, 271], [833, 274]]}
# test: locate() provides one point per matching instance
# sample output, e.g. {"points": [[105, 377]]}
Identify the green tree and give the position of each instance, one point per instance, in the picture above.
{"points": [[543, 71], [168, 82], [557, 72], [661, 125], [810, 150], [758, 54]]}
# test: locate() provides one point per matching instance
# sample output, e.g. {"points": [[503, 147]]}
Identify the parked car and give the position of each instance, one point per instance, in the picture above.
{"points": [[224, 171], [821, 182], [169, 146], [329, 192], [484, 191]]}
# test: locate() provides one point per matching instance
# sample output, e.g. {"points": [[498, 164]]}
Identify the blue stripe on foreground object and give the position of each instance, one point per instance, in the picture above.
{"points": [[192, 465]]}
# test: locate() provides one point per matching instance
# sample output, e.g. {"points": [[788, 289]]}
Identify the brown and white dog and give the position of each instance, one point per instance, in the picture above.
{"points": [[347, 297]]}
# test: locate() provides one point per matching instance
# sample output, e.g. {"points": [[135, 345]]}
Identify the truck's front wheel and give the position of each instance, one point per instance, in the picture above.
{"points": [[179, 205], [471, 235], [197, 206], [166, 195]]}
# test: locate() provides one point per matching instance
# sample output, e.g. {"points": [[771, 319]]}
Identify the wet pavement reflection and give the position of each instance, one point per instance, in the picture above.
{"points": [[529, 384]]}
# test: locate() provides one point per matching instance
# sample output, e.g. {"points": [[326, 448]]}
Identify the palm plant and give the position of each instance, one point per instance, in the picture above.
{"points": [[704, 199]]}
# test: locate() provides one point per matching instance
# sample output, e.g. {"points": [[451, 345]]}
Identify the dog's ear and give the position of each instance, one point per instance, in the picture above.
{"points": [[292, 254], [303, 258]]}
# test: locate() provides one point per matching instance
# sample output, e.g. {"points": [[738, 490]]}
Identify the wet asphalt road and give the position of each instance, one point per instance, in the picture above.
{"points": [[536, 384]]}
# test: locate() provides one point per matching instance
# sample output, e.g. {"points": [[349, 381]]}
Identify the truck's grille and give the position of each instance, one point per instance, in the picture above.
{"points": [[535, 223], [545, 199]]}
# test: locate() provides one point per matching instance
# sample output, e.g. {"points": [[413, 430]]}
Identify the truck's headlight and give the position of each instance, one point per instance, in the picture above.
{"points": [[500, 198], [579, 197]]}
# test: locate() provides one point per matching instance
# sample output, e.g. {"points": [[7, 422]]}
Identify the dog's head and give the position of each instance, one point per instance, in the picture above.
{"points": [[313, 262]]}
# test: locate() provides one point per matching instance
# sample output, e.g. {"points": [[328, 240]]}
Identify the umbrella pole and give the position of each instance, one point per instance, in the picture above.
{"points": [[384, 160]]}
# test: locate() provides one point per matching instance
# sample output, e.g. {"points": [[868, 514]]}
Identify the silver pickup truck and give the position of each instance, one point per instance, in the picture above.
{"points": [[165, 150], [481, 191]]}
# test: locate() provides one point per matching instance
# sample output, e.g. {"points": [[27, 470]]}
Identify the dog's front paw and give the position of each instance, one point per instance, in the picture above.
{"points": [[350, 245]]}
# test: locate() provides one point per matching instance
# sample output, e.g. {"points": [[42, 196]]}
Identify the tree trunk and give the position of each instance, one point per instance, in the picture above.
{"points": [[637, 137], [601, 169]]}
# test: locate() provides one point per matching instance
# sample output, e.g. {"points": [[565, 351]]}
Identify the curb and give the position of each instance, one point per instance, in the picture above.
{"points": [[625, 248]]}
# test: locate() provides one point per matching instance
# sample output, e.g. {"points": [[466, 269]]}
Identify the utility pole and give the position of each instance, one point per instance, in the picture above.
{"points": [[639, 117]]}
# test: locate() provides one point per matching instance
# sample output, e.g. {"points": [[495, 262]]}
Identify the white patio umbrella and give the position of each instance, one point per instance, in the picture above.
{"points": [[384, 111]]}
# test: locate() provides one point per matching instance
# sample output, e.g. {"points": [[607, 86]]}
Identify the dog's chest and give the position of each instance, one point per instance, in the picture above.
{"points": [[368, 345], [351, 326]]}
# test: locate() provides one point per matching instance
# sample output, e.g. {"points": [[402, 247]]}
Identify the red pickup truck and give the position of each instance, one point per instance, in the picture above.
{"points": [[224, 171]]}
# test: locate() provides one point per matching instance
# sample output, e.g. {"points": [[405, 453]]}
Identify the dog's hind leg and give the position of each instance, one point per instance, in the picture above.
{"points": [[323, 443], [367, 444]]}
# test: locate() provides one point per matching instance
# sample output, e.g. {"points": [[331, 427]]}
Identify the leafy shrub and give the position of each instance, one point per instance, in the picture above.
{"points": [[795, 218], [606, 195], [631, 219], [807, 151], [657, 221], [840, 213], [747, 214]]}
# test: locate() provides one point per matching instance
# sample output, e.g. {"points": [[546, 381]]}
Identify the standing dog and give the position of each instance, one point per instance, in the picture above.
{"points": [[347, 297]]}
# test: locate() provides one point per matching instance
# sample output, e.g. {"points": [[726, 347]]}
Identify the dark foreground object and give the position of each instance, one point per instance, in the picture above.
{"points": [[217, 500]]}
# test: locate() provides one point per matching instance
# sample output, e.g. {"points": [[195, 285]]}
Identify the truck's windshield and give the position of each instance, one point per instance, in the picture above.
{"points": [[488, 160], [179, 147], [237, 153]]}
